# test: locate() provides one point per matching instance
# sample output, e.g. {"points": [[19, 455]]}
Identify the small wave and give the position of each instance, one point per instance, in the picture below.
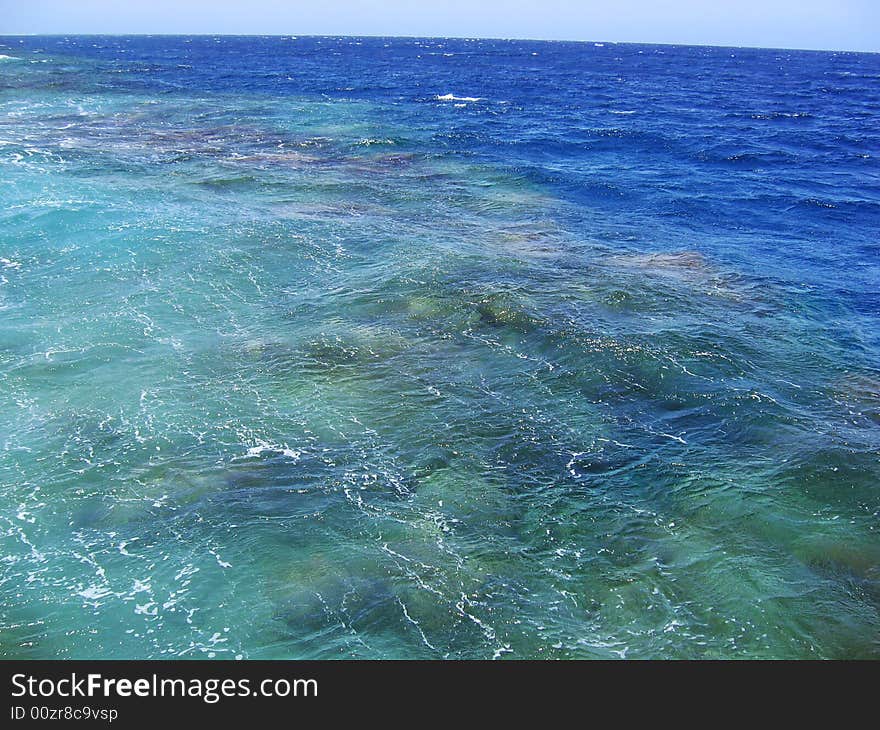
{"points": [[622, 111], [371, 141], [9, 58], [452, 97], [782, 115], [817, 203]]}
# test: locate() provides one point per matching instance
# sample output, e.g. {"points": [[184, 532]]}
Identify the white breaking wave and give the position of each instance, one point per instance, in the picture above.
{"points": [[8, 58], [263, 447], [452, 97]]}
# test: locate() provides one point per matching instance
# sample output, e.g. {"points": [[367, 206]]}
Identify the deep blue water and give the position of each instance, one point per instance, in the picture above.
{"points": [[337, 347]]}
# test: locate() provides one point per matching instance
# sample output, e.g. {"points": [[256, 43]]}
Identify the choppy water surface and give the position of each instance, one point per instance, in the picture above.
{"points": [[323, 348]]}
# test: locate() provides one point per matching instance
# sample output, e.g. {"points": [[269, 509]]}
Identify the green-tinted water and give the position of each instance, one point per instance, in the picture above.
{"points": [[277, 380]]}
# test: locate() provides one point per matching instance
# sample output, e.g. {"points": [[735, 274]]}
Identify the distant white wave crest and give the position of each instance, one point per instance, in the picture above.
{"points": [[452, 97]]}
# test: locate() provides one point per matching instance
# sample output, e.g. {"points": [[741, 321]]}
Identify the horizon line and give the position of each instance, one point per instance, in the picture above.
{"points": [[428, 37]]}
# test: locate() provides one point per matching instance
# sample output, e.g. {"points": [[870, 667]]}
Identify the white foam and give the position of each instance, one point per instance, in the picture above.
{"points": [[266, 448], [9, 58], [370, 141], [140, 586], [222, 563], [151, 608], [95, 593], [452, 97]]}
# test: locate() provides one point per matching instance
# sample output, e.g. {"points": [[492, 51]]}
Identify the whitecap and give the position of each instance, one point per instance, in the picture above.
{"points": [[452, 97], [150, 608], [9, 58], [266, 448], [95, 593], [140, 586], [370, 141]]}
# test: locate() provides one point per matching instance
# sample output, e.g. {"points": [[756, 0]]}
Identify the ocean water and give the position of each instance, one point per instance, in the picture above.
{"points": [[399, 348]]}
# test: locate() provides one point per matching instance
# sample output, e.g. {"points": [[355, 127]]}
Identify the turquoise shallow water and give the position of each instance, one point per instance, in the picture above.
{"points": [[326, 348]]}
